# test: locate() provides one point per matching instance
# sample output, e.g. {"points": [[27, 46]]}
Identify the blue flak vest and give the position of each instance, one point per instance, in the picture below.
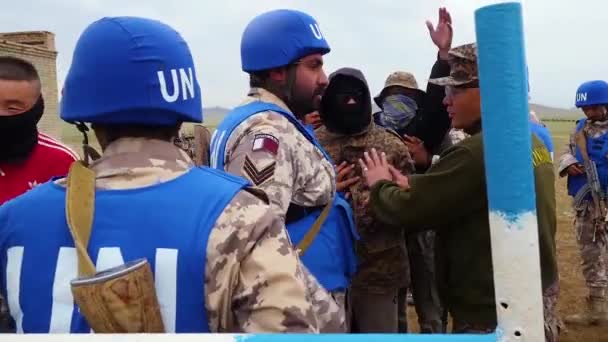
{"points": [[598, 152], [168, 224], [331, 256]]}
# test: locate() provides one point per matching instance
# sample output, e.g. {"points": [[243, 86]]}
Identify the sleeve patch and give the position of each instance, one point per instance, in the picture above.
{"points": [[258, 176], [266, 142]]}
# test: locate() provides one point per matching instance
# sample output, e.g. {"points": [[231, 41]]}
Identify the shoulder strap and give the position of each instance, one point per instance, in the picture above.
{"points": [[580, 124], [79, 206], [312, 233], [242, 113]]}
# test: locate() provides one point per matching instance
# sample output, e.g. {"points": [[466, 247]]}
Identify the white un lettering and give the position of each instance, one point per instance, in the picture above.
{"points": [[67, 269], [316, 31], [182, 80], [581, 97]]}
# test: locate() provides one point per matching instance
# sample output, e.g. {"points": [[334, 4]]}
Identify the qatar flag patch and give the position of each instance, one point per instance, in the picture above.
{"points": [[266, 142]]}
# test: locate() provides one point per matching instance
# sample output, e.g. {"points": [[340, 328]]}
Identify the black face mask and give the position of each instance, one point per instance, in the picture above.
{"points": [[18, 133], [345, 109]]}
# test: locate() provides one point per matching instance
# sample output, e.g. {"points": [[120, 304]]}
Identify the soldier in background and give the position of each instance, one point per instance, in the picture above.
{"points": [[347, 132], [195, 144], [312, 120], [592, 98]]}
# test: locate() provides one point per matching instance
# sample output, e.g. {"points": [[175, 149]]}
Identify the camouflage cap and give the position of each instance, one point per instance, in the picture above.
{"points": [[463, 66], [401, 79]]}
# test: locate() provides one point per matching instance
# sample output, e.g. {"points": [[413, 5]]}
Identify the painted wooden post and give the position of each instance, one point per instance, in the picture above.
{"points": [[509, 172]]}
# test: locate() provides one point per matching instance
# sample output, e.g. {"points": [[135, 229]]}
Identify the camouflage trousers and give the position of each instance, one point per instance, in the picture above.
{"points": [[553, 323], [328, 307], [594, 254]]}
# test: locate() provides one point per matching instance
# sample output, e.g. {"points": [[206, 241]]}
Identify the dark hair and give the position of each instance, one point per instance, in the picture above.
{"points": [[114, 132], [472, 84], [17, 69], [258, 79]]}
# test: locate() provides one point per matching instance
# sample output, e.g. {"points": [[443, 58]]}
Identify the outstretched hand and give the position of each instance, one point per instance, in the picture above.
{"points": [[375, 167], [443, 33], [343, 182], [417, 151]]}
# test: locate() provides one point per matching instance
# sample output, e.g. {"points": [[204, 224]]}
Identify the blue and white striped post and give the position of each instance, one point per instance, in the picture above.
{"points": [[509, 172]]}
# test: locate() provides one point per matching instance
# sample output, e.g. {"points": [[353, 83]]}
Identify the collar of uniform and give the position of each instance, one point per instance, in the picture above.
{"points": [[148, 159], [335, 135], [261, 94], [603, 123]]}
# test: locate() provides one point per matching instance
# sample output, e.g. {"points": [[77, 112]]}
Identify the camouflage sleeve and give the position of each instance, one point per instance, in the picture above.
{"points": [[263, 157], [331, 317], [399, 156], [253, 280], [567, 158]]}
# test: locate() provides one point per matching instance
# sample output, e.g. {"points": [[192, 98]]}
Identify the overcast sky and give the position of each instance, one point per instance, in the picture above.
{"points": [[565, 39]]}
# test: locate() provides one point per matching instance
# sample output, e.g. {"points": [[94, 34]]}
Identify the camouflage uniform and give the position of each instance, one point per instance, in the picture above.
{"points": [[553, 323], [457, 135], [383, 260], [297, 173], [594, 252], [253, 279], [195, 144]]}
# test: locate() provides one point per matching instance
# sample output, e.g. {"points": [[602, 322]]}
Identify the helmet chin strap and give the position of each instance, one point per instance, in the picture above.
{"points": [[88, 151], [605, 116]]}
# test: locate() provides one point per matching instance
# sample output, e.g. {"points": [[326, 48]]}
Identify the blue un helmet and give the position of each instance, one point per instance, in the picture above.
{"points": [[592, 93], [279, 38], [128, 70]]}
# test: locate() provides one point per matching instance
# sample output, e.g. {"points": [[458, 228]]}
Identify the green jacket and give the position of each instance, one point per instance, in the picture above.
{"points": [[451, 198]]}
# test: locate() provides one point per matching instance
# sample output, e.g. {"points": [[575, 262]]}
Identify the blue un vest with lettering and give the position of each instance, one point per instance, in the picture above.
{"points": [[597, 148], [330, 257], [168, 224]]}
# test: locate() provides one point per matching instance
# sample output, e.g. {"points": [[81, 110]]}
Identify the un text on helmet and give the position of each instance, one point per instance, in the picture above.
{"points": [[182, 80], [580, 97], [316, 31]]}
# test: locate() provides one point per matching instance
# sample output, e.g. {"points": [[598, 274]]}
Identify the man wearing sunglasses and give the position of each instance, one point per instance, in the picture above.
{"points": [[451, 196]]}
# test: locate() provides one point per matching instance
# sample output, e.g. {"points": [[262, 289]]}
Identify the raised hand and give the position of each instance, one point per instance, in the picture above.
{"points": [[443, 33]]}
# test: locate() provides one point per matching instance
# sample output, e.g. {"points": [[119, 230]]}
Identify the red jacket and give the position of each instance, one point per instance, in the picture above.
{"points": [[50, 158]]}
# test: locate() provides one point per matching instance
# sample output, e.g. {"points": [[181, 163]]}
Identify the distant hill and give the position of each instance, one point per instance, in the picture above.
{"points": [[214, 115], [546, 112]]}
